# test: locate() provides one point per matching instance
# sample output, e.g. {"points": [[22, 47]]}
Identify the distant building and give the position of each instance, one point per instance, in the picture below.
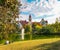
{"points": [[30, 20], [58, 20], [43, 22], [23, 23]]}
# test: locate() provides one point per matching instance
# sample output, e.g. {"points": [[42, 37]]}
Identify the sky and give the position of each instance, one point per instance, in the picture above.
{"points": [[47, 9]]}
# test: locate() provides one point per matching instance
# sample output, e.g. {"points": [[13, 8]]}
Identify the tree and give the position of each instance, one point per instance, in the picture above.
{"points": [[9, 11], [36, 27], [46, 30], [27, 28]]}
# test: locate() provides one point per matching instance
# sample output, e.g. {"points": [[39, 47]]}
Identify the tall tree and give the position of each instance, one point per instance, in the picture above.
{"points": [[9, 11]]}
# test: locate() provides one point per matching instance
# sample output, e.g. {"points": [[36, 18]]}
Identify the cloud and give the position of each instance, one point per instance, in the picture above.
{"points": [[48, 9], [23, 17]]}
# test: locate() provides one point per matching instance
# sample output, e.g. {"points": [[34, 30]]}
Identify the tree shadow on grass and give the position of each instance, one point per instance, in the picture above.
{"points": [[48, 46]]}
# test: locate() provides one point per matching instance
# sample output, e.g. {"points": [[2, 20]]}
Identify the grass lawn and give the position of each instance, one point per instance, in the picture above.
{"points": [[41, 44]]}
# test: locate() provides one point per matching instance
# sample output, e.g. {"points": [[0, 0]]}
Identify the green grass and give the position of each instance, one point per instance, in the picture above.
{"points": [[41, 44]]}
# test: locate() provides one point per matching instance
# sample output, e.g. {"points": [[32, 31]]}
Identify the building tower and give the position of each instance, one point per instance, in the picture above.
{"points": [[30, 18], [30, 24]]}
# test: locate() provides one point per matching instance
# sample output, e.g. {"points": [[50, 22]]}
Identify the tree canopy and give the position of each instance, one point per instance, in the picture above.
{"points": [[9, 11]]}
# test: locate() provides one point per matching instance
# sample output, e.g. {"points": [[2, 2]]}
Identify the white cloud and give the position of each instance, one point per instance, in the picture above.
{"points": [[23, 17], [51, 19], [52, 7]]}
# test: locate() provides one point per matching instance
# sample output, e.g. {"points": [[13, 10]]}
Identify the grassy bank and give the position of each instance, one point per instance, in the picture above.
{"points": [[41, 44]]}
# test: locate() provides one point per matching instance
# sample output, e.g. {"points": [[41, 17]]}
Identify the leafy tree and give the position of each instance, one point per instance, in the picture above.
{"points": [[27, 28], [9, 11], [46, 30], [36, 27]]}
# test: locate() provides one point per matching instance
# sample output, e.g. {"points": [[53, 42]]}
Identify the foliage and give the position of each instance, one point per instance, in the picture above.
{"points": [[35, 28], [56, 27], [46, 30], [9, 11], [27, 28]]}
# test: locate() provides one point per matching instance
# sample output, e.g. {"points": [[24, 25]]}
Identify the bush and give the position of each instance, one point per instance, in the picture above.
{"points": [[46, 30], [14, 37], [2, 41]]}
